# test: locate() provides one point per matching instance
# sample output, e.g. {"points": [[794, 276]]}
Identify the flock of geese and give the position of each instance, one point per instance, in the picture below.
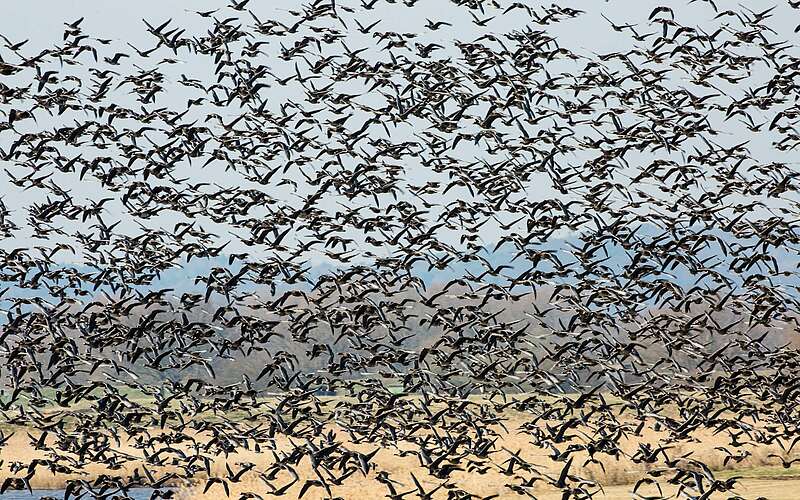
{"points": [[440, 225]]}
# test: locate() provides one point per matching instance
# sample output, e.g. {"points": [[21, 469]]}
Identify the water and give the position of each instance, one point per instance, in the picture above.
{"points": [[134, 494]]}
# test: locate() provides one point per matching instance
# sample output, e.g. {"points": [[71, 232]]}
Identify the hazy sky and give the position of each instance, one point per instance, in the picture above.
{"points": [[43, 23]]}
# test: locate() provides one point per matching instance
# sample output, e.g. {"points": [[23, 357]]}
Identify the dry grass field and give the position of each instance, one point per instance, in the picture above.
{"points": [[762, 476]]}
